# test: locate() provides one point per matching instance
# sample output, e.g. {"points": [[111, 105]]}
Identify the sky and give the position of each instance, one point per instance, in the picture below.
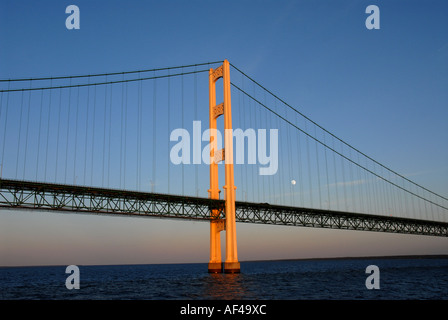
{"points": [[381, 90]]}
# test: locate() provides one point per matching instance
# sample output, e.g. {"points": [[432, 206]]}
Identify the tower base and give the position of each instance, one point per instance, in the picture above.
{"points": [[232, 267], [214, 267]]}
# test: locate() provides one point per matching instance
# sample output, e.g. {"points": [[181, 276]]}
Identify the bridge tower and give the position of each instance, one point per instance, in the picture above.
{"points": [[228, 224]]}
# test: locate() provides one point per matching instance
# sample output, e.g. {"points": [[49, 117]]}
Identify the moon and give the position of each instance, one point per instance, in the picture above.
{"points": [[293, 182]]}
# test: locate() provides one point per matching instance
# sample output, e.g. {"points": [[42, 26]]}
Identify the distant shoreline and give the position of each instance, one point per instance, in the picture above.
{"points": [[432, 256]]}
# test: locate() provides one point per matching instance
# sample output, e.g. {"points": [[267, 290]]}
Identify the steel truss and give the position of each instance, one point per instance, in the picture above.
{"points": [[59, 197], [78, 199], [302, 217]]}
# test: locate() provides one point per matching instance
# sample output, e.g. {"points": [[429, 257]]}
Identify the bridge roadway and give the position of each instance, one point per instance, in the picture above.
{"points": [[15, 194]]}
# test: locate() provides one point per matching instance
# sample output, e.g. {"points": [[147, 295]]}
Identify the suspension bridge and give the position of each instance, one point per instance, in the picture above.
{"points": [[151, 143]]}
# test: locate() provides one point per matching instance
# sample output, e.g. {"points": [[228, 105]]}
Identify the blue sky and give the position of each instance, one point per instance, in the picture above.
{"points": [[383, 91]]}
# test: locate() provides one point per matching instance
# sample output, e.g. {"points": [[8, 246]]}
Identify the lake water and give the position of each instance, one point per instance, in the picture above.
{"points": [[399, 279]]}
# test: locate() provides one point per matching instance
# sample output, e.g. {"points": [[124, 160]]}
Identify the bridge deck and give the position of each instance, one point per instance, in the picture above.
{"points": [[16, 194]]}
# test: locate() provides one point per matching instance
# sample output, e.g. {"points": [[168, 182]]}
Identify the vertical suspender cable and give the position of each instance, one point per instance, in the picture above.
{"points": [[252, 112], [352, 183], [121, 131], [280, 147], [154, 132], [169, 127], [268, 135], [68, 131], [38, 134], [289, 147], [344, 184], [268, 127], [183, 127], [58, 136], [335, 175], [309, 168], [318, 170], [125, 134], [360, 189], [239, 183], [104, 134], [48, 133], [20, 131], [300, 164], [26, 134], [1, 102], [391, 197], [328, 180], [87, 132], [196, 186], [93, 137], [246, 109], [1, 107], [110, 135], [403, 198], [378, 195], [246, 187], [76, 134], [139, 134], [368, 188], [256, 183], [2, 164]]}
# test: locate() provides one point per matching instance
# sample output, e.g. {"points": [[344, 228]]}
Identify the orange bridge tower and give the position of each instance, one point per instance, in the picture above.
{"points": [[231, 264]]}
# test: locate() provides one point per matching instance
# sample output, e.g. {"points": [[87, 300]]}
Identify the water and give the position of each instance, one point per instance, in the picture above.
{"points": [[424, 278]]}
